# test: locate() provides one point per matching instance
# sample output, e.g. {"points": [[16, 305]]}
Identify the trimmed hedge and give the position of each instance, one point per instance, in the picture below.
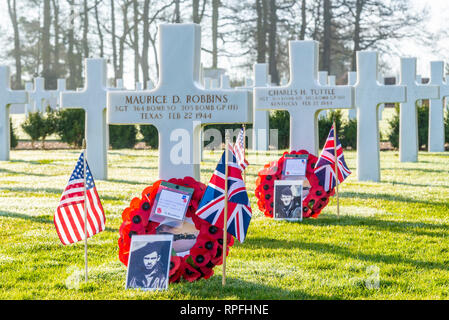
{"points": [[123, 136], [12, 135], [423, 127]]}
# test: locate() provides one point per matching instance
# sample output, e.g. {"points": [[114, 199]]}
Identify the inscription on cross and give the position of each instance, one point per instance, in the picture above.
{"points": [[303, 97], [179, 105]]}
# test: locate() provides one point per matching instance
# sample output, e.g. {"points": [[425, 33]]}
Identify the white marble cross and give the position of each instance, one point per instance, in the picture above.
{"points": [[225, 82], [28, 106], [352, 79], [368, 95], [436, 107], [149, 85], [55, 101], [119, 84], [7, 97], [39, 97], [408, 117], [381, 80], [261, 119], [138, 86], [323, 79], [179, 105], [93, 100], [304, 97]]}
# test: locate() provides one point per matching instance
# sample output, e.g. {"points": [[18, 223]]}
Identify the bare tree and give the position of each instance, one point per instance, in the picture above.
{"points": [[12, 9]]}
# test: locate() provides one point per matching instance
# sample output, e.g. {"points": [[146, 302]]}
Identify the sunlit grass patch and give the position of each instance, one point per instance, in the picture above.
{"points": [[390, 242]]}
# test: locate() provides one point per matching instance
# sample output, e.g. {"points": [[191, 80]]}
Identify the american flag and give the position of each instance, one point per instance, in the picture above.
{"points": [[325, 167], [239, 150], [211, 207], [69, 216]]}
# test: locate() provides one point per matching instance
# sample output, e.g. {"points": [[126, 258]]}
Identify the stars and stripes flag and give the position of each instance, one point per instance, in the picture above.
{"points": [[239, 150], [69, 216], [325, 167], [211, 207]]}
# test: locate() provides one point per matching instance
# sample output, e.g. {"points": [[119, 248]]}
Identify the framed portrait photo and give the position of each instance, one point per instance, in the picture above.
{"points": [[149, 262], [288, 200]]}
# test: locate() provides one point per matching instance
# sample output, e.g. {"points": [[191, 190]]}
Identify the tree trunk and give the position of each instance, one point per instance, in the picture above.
{"points": [[85, 30], [215, 6], [136, 40], [327, 35], [261, 31], [177, 18], [302, 32], [272, 33], [56, 51], [17, 84], [100, 32], [71, 59], [114, 43], [145, 43], [46, 51], [356, 36]]}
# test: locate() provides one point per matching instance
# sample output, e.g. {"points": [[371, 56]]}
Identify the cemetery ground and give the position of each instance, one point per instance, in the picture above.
{"points": [[394, 232]]}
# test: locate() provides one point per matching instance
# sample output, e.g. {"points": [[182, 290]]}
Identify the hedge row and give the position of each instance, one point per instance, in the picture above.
{"points": [[68, 124]]}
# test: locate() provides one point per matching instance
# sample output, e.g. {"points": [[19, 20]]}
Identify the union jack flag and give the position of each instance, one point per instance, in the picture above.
{"points": [[239, 150], [69, 216], [211, 207], [325, 167]]}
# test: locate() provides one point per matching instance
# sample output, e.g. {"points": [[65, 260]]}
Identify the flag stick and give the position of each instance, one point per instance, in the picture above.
{"points": [[85, 211], [244, 150], [336, 168], [225, 217]]}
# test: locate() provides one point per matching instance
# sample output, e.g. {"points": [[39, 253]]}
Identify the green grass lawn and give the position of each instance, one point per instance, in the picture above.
{"points": [[397, 229]]}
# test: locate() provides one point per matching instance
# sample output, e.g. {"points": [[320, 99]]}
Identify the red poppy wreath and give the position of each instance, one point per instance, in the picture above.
{"points": [[313, 203], [191, 262]]}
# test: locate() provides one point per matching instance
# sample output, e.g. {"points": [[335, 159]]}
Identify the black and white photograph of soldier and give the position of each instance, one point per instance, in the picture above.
{"points": [[288, 199], [149, 262]]}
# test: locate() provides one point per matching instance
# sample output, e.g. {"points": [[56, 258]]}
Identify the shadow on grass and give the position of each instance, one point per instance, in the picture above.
{"points": [[392, 183], [124, 154], [405, 227], [334, 249], [422, 170], [37, 219], [40, 219], [54, 191], [213, 289], [392, 197], [23, 173], [128, 181]]}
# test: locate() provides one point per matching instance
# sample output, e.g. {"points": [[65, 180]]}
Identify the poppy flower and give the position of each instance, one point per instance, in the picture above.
{"points": [[207, 247], [189, 272], [175, 262], [200, 256], [273, 171]]}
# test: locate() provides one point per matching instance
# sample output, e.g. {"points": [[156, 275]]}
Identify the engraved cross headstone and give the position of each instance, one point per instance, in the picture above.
{"points": [[436, 107], [408, 117], [261, 117], [179, 105], [7, 97], [368, 95], [303, 97], [93, 100]]}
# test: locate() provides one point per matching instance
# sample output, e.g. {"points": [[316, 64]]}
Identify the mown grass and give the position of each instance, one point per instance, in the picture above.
{"points": [[398, 228]]}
